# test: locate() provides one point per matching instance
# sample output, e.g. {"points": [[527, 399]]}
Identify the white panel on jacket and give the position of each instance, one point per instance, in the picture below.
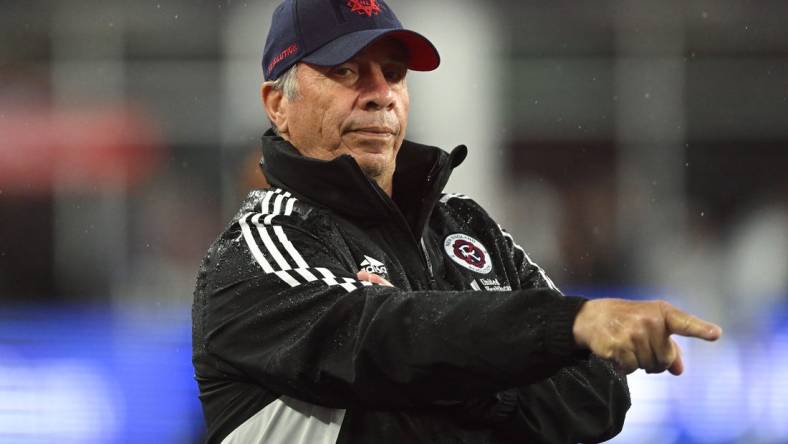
{"points": [[289, 421]]}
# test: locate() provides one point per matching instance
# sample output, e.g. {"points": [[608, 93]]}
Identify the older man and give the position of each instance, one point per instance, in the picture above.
{"points": [[353, 302]]}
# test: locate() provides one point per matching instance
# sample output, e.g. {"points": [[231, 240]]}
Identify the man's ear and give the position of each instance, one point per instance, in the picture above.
{"points": [[274, 103]]}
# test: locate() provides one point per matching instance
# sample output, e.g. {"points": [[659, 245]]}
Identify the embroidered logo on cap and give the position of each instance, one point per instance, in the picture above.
{"points": [[362, 7], [468, 252], [290, 50]]}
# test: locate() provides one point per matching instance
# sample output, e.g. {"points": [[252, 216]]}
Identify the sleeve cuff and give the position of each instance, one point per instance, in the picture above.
{"points": [[559, 340]]}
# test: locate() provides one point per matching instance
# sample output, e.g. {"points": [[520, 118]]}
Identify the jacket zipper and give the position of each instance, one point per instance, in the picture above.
{"points": [[431, 283], [439, 174], [420, 248], [430, 271], [403, 225]]}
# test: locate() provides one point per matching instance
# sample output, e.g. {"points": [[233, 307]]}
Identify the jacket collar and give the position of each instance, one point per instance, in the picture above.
{"points": [[339, 184]]}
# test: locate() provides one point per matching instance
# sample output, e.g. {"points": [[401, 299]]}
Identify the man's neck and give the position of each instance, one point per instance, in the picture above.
{"points": [[384, 180], [385, 183]]}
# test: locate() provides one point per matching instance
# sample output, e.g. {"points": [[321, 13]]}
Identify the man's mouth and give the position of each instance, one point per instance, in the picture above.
{"points": [[374, 131]]}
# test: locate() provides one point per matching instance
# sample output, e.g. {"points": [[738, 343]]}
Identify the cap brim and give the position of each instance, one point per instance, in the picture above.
{"points": [[422, 55]]}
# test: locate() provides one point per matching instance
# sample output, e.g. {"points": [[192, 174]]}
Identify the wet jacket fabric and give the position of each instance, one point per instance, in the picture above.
{"points": [[473, 344]]}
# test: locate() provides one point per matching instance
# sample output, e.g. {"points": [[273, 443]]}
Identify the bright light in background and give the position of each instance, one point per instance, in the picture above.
{"points": [[89, 375], [648, 420], [711, 397], [68, 400], [94, 376], [775, 369], [732, 391]]}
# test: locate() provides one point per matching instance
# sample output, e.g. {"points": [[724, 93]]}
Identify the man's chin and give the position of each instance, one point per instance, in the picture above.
{"points": [[373, 161], [376, 161], [369, 143]]}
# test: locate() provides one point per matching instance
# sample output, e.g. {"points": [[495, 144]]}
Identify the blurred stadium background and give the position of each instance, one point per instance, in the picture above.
{"points": [[636, 149]]}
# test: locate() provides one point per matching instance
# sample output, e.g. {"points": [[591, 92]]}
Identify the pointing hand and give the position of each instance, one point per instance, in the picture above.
{"points": [[636, 334]]}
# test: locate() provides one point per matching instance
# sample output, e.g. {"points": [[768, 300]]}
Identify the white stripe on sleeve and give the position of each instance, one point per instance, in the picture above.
{"points": [[289, 207], [306, 274], [283, 203], [249, 238], [449, 196], [294, 254], [330, 279], [269, 244], [347, 286], [285, 276], [275, 212], [266, 200]]}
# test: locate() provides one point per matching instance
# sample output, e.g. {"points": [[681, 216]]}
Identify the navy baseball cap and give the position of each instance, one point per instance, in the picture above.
{"points": [[331, 32]]}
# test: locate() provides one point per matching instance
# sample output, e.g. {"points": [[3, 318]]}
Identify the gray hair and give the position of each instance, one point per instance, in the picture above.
{"points": [[288, 85]]}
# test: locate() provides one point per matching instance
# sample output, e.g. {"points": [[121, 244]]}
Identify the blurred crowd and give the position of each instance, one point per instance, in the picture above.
{"points": [[122, 151]]}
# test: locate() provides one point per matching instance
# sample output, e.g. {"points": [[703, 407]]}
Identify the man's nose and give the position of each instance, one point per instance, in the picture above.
{"points": [[377, 91]]}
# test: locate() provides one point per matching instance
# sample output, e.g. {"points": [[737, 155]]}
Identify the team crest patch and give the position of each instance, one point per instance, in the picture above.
{"points": [[468, 252], [363, 7]]}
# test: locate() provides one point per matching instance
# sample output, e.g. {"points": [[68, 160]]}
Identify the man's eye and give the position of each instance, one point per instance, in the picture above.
{"points": [[342, 71], [395, 74]]}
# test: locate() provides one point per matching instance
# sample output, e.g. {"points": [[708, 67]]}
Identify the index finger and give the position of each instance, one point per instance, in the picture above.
{"points": [[685, 324], [372, 277]]}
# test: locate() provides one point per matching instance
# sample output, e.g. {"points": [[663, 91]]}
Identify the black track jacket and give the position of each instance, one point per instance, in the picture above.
{"points": [[472, 345]]}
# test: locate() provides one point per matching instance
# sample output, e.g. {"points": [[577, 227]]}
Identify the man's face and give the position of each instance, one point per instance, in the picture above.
{"points": [[358, 108]]}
